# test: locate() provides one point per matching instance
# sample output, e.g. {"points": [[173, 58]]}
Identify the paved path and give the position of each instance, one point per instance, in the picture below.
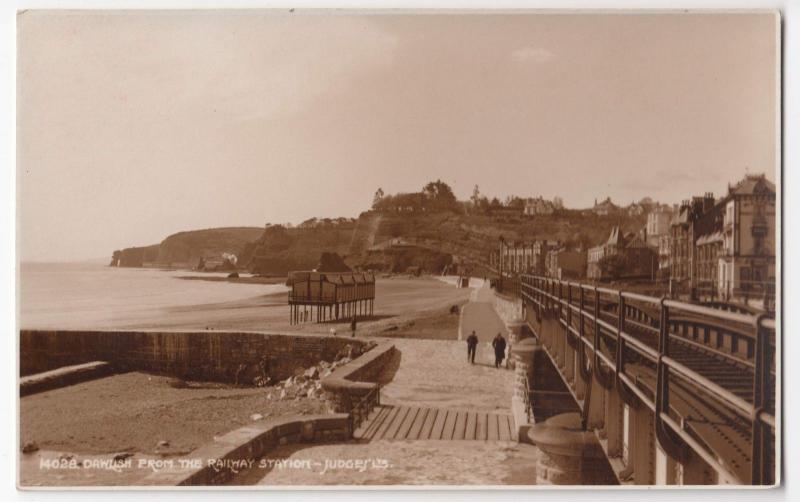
{"points": [[434, 395], [479, 315], [435, 373], [393, 463]]}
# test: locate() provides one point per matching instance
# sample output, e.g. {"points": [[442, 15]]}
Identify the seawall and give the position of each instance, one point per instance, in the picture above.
{"points": [[221, 356]]}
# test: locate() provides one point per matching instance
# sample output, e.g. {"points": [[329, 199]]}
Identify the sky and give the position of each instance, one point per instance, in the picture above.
{"points": [[134, 126]]}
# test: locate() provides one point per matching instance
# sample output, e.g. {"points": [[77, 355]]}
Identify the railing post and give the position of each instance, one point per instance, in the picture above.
{"points": [[761, 387], [603, 377], [668, 441], [583, 382], [620, 329], [628, 397], [539, 298], [560, 301]]}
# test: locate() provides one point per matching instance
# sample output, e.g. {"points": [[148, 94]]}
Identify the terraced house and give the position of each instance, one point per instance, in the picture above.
{"points": [[747, 258], [725, 249]]}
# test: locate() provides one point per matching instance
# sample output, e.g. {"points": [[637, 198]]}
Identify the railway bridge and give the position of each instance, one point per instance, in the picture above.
{"points": [[618, 387]]}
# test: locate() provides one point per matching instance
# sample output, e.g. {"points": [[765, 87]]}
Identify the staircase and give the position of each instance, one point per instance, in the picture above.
{"points": [[424, 423]]}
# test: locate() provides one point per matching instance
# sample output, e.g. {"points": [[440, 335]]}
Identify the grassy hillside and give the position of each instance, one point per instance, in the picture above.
{"points": [[427, 237], [279, 250], [189, 247], [429, 240]]}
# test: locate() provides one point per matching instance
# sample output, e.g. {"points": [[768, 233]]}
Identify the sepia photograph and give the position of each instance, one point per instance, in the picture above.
{"points": [[324, 248]]}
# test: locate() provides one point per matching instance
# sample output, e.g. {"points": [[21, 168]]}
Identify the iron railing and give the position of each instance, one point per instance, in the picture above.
{"points": [[664, 337], [364, 406]]}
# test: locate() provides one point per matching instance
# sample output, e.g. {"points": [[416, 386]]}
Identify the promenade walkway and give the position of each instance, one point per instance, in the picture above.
{"points": [[479, 315], [441, 420], [435, 373]]}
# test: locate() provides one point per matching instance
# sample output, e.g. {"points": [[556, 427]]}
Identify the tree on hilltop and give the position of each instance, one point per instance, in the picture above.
{"points": [[476, 196], [376, 200], [439, 192], [514, 202]]}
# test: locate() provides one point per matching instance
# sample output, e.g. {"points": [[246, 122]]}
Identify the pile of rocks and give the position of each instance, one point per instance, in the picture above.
{"points": [[305, 383]]}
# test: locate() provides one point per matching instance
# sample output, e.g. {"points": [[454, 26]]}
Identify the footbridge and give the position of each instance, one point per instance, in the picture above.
{"points": [[653, 390]]}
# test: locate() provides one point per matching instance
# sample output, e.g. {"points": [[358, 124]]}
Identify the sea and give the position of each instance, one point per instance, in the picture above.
{"points": [[82, 295]]}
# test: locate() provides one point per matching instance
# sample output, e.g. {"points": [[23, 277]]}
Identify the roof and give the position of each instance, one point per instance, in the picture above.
{"points": [[709, 238], [605, 203], [636, 242], [680, 217], [752, 184], [390, 243], [331, 277], [616, 238]]}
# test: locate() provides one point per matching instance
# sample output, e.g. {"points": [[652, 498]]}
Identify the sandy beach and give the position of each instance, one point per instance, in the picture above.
{"points": [[152, 416], [56, 296]]}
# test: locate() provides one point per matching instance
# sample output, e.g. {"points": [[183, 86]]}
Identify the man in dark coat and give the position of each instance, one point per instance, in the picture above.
{"points": [[499, 344], [353, 326], [472, 344]]}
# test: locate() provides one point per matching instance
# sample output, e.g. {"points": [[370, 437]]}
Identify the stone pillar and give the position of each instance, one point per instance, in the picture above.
{"points": [[522, 355], [569, 455], [514, 328]]}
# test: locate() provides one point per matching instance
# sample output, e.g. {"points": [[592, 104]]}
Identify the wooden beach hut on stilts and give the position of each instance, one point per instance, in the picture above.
{"points": [[330, 296]]}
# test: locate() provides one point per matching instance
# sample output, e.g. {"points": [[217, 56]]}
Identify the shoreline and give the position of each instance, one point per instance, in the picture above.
{"points": [[235, 280]]}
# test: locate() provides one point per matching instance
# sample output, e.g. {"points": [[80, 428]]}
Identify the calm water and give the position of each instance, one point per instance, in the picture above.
{"points": [[67, 295]]}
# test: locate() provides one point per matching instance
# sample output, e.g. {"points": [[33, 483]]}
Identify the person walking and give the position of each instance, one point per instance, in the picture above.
{"points": [[472, 344], [353, 326], [499, 344]]}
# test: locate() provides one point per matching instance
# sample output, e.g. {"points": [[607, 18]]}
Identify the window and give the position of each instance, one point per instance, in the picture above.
{"points": [[744, 274]]}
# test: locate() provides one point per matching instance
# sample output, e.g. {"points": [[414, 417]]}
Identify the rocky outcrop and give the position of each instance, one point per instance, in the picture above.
{"points": [[331, 262], [187, 249], [134, 257]]}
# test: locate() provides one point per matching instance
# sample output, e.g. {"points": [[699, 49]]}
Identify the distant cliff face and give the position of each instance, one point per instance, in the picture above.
{"points": [[185, 249], [134, 257], [391, 241], [212, 243], [280, 250]]}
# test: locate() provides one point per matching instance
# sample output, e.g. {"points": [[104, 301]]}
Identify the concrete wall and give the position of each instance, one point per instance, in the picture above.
{"points": [[203, 355]]}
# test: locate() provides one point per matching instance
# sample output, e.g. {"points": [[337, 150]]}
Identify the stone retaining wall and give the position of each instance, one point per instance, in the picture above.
{"points": [[348, 383], [225, 456], [222, 460], [68, 375], [508, 308], [204, 355]]}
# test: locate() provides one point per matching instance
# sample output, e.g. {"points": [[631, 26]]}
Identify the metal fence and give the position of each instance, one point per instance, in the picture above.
{"points": [[722, 358]]}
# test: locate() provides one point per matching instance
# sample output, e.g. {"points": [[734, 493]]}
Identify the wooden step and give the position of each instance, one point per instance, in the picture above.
{"points": [[422, 423]]}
